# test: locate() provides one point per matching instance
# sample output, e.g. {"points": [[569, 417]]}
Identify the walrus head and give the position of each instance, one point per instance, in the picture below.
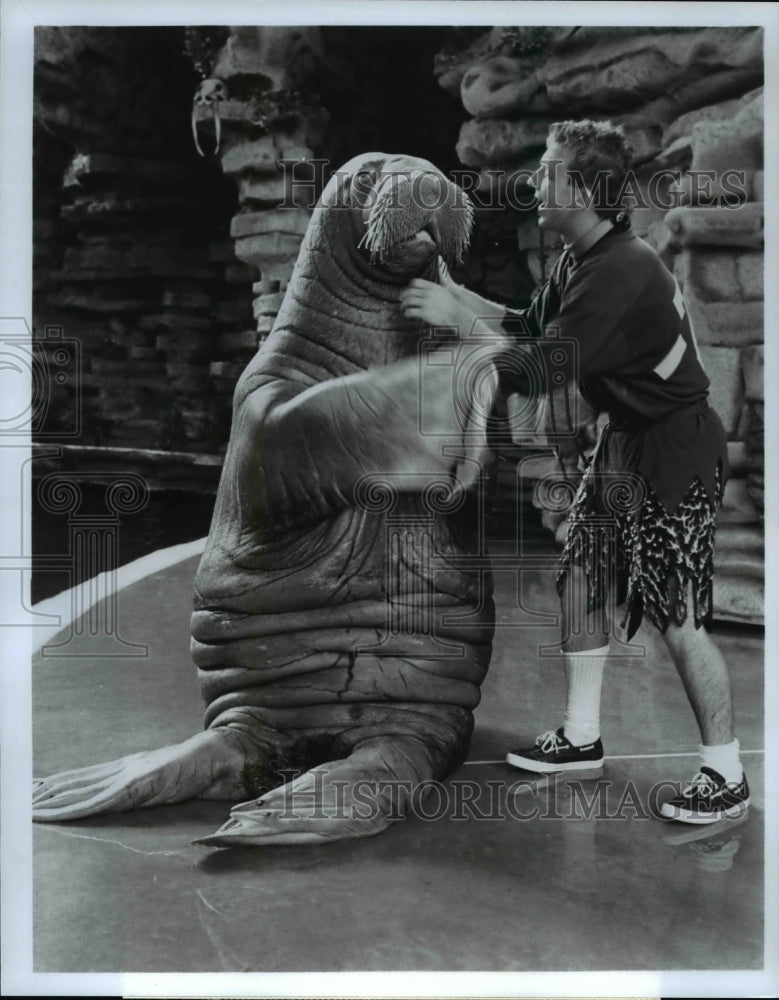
{"points": [[404, 212], [380, 221]]}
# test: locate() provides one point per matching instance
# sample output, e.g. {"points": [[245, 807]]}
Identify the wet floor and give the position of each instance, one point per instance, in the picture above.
{"points": [[494, 872]]}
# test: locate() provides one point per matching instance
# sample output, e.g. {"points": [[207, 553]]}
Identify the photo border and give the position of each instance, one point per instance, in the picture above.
{"points": [[18, 20]]}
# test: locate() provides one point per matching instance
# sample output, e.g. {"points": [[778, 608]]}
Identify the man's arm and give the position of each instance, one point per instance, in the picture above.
{"points": [[452, 305], [507, 331], [472, 301], [445, 303]]}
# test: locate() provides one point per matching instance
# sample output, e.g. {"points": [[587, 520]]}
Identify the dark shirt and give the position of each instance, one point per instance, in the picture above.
{"points": [[614, 319]]}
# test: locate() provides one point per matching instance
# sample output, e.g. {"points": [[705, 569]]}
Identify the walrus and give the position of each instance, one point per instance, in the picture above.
{"points": [[343, 613]]}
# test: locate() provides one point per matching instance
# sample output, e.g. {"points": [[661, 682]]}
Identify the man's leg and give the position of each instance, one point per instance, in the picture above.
{"points": [[719, 789], [585, 645], [585, 638], [705, 679]]}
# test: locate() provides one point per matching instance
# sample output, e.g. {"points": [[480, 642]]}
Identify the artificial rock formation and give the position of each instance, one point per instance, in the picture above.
{"points": [[690, 101], [144, 277], [134, 255], [719, 265]]}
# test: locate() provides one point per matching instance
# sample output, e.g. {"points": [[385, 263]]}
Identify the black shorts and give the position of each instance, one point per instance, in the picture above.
{"points": [[633, 551]]}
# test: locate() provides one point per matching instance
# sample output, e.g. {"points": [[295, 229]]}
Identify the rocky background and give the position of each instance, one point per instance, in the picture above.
{"points": [[169, 267], [691, 102]]}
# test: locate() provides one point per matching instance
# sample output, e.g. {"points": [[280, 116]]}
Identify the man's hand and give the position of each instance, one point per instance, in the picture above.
{"points": [[435, 305], [445, 279], [450, 304]]}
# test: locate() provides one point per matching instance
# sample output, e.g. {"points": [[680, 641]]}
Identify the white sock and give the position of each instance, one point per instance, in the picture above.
{"points": [[584, 672], [723, 759]]}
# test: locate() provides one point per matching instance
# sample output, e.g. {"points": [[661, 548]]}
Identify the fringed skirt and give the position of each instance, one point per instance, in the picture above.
{"points": [[634, 552]]}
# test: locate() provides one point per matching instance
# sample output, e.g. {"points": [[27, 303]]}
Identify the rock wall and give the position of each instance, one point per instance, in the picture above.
{"points": [[133, 257], [716, 254], [167, 266], [690, 101]]}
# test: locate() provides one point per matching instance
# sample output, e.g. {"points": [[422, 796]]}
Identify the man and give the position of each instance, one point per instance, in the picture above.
{"points": [[664, 448]]}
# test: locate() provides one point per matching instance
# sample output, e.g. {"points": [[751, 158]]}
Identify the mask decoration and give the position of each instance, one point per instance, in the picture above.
{"points": [[210, 94]]}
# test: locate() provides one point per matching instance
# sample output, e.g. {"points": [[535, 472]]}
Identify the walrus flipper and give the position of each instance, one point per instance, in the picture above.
{"points": [[401, 419], [208, 765], [358, 796]]}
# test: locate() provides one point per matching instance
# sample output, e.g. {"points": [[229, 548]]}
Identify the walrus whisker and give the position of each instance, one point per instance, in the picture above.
{"points": [[370, 243], [388, 225]]}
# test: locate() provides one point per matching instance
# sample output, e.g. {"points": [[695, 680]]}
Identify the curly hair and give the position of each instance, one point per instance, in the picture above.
{"points": [[599, 160]]}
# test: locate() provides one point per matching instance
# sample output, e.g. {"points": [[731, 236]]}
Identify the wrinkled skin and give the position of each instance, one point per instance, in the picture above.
{"points": [[339, 635]]}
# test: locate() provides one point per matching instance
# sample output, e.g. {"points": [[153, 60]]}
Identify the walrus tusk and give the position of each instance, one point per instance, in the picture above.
{"points": [[194, 132], [217, 128]]}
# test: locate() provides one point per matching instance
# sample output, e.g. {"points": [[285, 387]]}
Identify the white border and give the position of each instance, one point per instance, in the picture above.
{"points": [[18, 19]]}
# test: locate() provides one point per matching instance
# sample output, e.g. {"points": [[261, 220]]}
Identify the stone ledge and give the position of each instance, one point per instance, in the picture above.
{"points": [[721, 275], [489, 142], [88, 166], [742, 540], [502, 86], [262, 156], [273, 254], [162, 470], [270, 223], [725, 324], [726, 393], [739, 598], [266, 303], [730, 145], [752, 366], [245, 340], [737, 505], [616, 71], [720, 227], [681, 127]]}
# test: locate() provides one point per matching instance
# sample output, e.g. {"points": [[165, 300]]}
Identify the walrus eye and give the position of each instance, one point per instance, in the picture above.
{"points": [[364, 180], [363, 189]]}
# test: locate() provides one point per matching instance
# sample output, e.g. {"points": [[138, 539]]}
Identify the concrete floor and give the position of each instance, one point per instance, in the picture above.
{"points": [[528, 878]]}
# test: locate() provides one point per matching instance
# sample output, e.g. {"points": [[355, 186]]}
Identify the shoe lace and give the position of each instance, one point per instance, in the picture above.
{"points": [[701, 784], [549, 741]]}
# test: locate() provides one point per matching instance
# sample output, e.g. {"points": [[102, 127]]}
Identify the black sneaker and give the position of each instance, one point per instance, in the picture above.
{"points": [[707, 798], [553, 752]]}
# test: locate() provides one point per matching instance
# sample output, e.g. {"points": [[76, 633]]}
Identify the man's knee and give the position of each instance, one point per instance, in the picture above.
{"points": [[685, 636], [584, 643]]}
